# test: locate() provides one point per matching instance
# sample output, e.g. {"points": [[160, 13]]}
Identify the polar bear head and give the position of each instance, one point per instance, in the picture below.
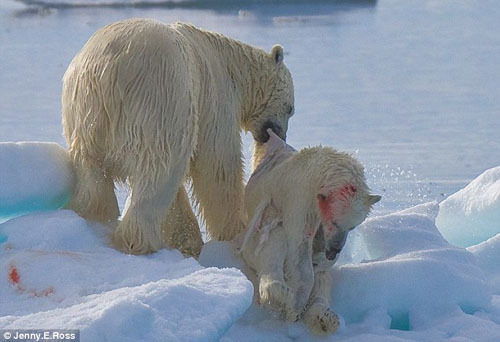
{"points": [[343, 204], [327, 187], [273, 100]]}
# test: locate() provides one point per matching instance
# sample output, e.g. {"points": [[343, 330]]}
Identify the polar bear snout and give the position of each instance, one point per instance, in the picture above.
{"points": [[335, 245], [263, 136]]}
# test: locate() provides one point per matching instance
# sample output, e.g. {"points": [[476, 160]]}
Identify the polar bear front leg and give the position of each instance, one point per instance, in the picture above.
{"points": [[299, 266], [319, 318], [181, 230], [272, 288], [217, 174], [299, 273]]}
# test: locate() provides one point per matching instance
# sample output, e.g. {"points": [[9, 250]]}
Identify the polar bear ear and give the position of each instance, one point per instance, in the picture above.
{"points": [[277, 54], [372, 199]]}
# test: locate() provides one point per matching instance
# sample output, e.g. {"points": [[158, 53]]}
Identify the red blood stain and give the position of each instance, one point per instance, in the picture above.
{"points": [[15, 279], [348, 190], [44, 293], [325, 204], [13, 274], [335, 202]]}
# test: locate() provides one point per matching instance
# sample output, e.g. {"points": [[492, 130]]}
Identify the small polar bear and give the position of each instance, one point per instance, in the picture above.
{"points": [[153, 105], [301, 206]]}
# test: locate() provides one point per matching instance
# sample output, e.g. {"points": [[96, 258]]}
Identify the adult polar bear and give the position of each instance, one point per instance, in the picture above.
{"points": [[152, 104]]}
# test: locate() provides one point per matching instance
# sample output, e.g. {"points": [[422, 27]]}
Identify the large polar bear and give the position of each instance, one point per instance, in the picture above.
{"points": [[301, 206], [152, 105]]}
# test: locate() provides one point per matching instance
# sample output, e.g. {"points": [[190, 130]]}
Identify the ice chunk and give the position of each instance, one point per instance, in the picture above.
{"points": [[371, 240], [53, 231], [34, 176], [472, 215], [400, 233]]}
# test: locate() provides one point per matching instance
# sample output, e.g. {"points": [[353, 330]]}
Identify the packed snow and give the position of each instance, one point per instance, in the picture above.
{"points": [[487, 254], [58, 272], [432, 275], [472, 214]]}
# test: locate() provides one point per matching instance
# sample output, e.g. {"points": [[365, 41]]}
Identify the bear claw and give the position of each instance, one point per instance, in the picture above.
{"points": [[321, 320]]}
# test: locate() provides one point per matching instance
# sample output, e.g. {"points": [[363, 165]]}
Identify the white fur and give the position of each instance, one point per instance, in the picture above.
{"points": [[293, 273], [151, 104]]}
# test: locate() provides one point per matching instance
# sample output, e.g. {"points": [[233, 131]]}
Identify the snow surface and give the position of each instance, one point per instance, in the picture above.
{"points": [[472, 214], [58, 272], [33, 176]]}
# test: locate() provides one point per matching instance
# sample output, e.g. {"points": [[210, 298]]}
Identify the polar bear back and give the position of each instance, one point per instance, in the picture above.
{"points": [[117, 92]]}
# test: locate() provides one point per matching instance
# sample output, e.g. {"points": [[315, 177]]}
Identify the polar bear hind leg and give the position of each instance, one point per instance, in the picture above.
{"points": [[140, 231], [94, 195], [319, 318], [181, 230], [273, 290]]}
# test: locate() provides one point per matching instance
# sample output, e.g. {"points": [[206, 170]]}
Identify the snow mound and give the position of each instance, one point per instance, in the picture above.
{"points": [[219, 254], [60, 273], [409, 272], [472, 215], [487, 254], [33, 176]]}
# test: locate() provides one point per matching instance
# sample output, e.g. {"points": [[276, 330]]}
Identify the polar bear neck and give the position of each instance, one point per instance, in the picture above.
{"points": [[250, 70]]}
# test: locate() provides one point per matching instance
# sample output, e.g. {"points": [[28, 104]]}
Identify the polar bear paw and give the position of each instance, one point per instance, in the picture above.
{"points": [[131, 239], [321, 320], [279, 297]]}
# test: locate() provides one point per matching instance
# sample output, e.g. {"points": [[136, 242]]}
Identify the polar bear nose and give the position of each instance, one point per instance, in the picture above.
{"points": [[331, 254], [264, 136]]}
